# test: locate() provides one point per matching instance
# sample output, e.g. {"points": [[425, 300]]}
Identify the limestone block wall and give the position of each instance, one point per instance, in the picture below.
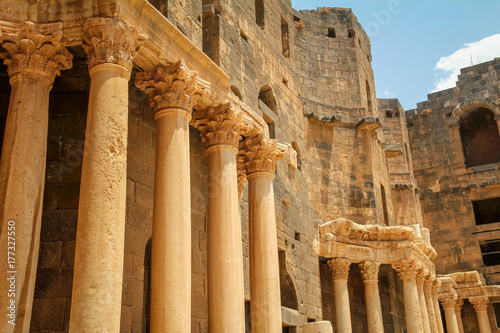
{"points": [[447, 187]]}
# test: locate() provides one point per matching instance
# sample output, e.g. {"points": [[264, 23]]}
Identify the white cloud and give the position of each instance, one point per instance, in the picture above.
{"points": [[388, 94], [448, 68]]}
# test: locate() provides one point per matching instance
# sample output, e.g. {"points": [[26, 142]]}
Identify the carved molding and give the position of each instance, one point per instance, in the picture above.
{"points": [[407, 269], [171, 86], [369, 270], [34, 49], [262, 154], [108, 40], [480, 303], [448, 300], [339, 268], [222, 125]]}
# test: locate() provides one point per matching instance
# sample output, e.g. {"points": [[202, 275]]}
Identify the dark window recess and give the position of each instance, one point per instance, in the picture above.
{"points": [[331, 33], [161, 5], [211, 36], [285, 44], [311, 320], [490, 251], [147, 288], [287, 288], [270, 125], [248, 317], [289, 329], [486, 211], [480, 138], [368, 96], [297, 235], [384, 205], [259, 13], [351, 33], [237, 92], [496, 309]]}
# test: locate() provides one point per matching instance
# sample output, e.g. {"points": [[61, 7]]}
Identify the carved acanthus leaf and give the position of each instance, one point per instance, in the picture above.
{"points": [[171, 86], [480, 303], [339, 268], [242, 172], [222, 124], [369, 270], [407, 269], [448, 300], [108, 40], [263, 154], [34, 49]]}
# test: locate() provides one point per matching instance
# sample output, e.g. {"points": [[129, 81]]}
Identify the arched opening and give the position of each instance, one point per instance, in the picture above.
{"points": [[267, 97], [480, 138], [287, 288], [237, 92]]}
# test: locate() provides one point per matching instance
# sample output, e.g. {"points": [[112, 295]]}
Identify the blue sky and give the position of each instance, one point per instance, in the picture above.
{"points": [[419, 45]]}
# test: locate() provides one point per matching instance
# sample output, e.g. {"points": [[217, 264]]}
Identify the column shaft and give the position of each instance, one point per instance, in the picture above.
{"points": [[451, 320], [423, 305], [225, 254], [437, 310], [484, 323], [22, 179], [373, 307], [342, 308], [264, 266], [98, 273], [412, 307], [171, 243], [430, 307]]}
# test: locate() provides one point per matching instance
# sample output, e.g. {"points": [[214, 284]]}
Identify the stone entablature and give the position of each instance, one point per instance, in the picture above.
{"points": [[467, 285], [344, 238]]}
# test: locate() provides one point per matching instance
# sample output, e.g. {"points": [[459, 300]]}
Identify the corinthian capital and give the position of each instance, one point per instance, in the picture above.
{"points": [[407, 269], [480, 303], [222, 125], [108, 40], [171, 86], [242, 173], [340, 268], [34, 49], [369, 270], [448, 300], [422, 275], [262, 154]]}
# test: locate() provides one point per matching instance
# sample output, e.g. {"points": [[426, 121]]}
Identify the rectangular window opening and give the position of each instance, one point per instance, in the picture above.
{"points": [[259, 13], [270, 125], [331, 33], [486, 211], [490, 250], [496, 309], [285, 43], [384, 205]]}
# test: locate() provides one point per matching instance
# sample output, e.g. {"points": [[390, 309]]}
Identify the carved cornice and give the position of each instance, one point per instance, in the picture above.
{"points": [[222, 125], [108, 40], [262, 154], [407, 269], [34, 49], [171, 86], [369, 270], [480, 303], [448, 300], [340, 268]]}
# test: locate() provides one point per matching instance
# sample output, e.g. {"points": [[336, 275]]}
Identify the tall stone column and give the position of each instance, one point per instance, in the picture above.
{"points": [[480, 304], [449, 301], [437, 310], [407, 270], [98, 273], [172, 91], [458, 313], [369, 271], [34, 55], [421, 276], [430, 303], [340, 274], [262, 156], [221, 128]]}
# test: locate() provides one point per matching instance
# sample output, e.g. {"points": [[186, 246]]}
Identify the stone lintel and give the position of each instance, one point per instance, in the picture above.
{"points": [[369, 124]]}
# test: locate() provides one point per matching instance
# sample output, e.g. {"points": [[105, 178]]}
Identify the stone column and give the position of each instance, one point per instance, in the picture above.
{"points": [[98, 273], [449, 301], [430, 303], [437, 310], [221, 128], [421, 277], [407, 270], [262, 155], [172, 91], [369, 271], [34, 55], [458, 313], [340, 274], [480, 304]]}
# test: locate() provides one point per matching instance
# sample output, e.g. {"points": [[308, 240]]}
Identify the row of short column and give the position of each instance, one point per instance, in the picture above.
{"points": [[420, 296], [173, 91], [452, 305]]}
